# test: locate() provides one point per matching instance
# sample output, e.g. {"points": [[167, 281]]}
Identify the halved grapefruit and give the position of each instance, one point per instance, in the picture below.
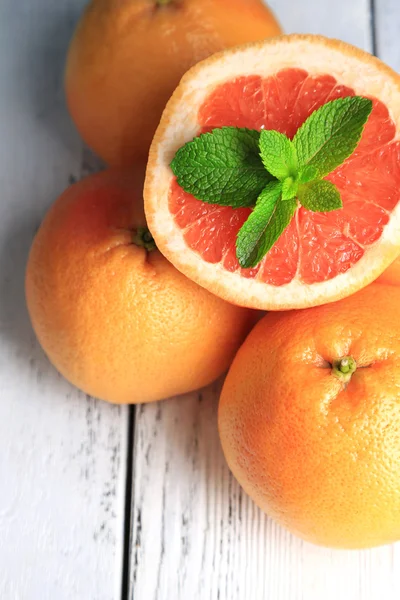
{"points": [[277, 84]]}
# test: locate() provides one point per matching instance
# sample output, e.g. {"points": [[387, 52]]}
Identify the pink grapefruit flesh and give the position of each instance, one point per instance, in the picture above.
{"points": [[316, 246]]}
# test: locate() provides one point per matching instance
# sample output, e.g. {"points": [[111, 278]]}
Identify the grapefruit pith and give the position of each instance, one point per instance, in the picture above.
{"points": [[277, 84]]}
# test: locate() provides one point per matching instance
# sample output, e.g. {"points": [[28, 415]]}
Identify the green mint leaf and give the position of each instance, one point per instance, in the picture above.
{"points": [[290, 187], [269, 219], [320, 196], [251, 237], [278, 154], [331, 133], [222, 167], [307, 174]]}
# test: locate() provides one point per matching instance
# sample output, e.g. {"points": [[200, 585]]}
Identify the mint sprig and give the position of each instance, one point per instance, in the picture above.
{"points": [[271, 173]]}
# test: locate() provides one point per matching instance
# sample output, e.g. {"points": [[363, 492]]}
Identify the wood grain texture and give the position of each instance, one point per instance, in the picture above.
{"points": [[348, 20], [62, 455], [195, 534]]}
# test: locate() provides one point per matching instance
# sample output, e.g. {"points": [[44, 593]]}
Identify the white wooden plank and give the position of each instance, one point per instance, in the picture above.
{"points": [[195, 534], [387, 24], [346, 20], [62, 455]]}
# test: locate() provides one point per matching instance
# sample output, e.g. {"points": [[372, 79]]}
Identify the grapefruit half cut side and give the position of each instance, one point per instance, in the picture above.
{"points": [[277, 84]]}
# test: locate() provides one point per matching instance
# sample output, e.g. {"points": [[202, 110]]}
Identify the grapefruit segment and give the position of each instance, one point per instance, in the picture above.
{"points": [[340, 91], [317, 247], [315, 92], [239, 103], [378, 131], [326, 251], [281, 263], [280, 106]]}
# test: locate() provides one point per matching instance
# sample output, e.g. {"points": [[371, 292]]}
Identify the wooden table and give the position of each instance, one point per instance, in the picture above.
{"points": [[100, 502]]}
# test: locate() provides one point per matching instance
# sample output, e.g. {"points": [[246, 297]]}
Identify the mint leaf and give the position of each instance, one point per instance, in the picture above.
{"points": [[269, 219], [222, 167], [278, 154], [331, 133], [251, 237], [290, 187], [320, 196], [307, 174]]}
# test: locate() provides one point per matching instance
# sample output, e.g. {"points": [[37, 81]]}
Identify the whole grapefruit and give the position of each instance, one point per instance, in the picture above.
{"points": [[391, 276], [127, 57], [309, 419], [111, 313]]}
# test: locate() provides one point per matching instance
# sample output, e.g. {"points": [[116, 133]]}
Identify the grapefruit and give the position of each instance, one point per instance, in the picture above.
{"points": [[277, 84], [391, 276], [309, 419], [111, 313], [127, 57]]}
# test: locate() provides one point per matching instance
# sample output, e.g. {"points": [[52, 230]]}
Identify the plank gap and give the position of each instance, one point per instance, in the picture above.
{"points": [[127, 525], [372, 16]]}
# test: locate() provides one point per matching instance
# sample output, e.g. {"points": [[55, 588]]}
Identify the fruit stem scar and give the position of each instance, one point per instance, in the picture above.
{"points": [[343, 368], [142, 237]]}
